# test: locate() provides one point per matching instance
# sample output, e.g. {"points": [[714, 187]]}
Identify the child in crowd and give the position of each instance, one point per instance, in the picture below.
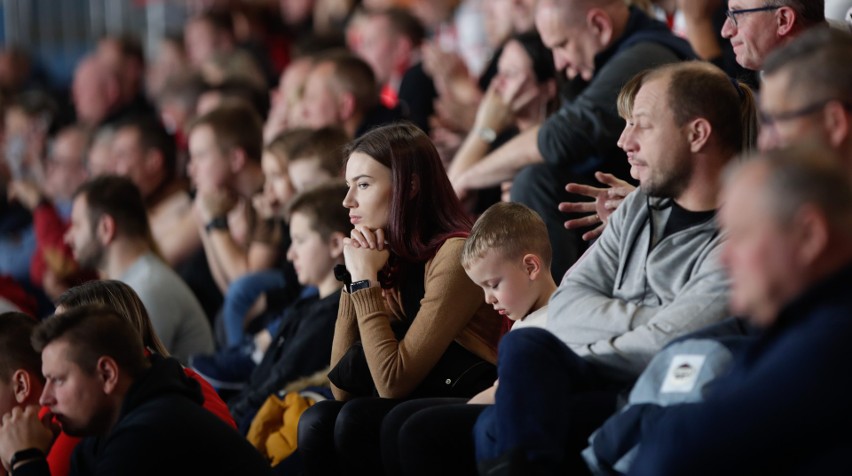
{"points": [[318, 158], [246, 296], [312, 216], [302, 344], [294, 161], [508, 255]]}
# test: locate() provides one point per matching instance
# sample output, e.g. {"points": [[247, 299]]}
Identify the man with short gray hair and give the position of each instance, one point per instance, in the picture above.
{"points": [[807, 92], [756, 27], [788, 215]]}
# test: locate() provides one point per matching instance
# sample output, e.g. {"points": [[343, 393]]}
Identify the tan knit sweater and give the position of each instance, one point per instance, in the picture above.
{"points": [[453, 308]]}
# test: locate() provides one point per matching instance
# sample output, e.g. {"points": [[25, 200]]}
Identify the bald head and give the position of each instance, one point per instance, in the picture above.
{"points": [[577, 30]]}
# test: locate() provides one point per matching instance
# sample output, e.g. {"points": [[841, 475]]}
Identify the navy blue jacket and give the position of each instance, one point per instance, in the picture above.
{"points": [[780, 408]]}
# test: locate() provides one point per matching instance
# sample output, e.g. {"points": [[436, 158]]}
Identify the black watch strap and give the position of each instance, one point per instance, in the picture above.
{"points": [[25, 455], [359, 285], [218, 223]]}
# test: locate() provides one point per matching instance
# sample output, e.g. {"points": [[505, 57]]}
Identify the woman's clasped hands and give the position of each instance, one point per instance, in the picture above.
{"points": [[365, 253]]}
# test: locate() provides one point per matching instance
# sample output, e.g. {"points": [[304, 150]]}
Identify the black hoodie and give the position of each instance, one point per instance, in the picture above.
{"points": [[163, 429]]}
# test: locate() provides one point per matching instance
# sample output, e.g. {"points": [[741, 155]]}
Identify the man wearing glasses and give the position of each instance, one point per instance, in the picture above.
{"points": [[806, 92], [806, 98], [756, 27]]}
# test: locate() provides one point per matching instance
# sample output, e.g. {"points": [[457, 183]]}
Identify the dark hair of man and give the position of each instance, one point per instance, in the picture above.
{"points": [[15, 331], [818, 63], [235, 126], [321, 205], [152, 135], [404, 23], [806, 173], [325, 143], [244, 90], [129, 46], [808, 12], [119, 198], [354, 75], [221, 21], [699, 89], [183, 88], [92, 332], [283, 145], [35, 103]]}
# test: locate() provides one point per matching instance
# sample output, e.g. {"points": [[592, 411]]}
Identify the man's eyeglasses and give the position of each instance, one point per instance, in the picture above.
{"points": [[732, 14], [768, 119]]}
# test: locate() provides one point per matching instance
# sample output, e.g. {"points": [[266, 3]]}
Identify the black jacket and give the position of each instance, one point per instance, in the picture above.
{"points": [[163, 429], [301, 347]]}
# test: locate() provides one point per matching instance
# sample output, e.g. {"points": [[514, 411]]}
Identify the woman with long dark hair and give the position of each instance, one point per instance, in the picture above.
{"points": [[410, 323]]}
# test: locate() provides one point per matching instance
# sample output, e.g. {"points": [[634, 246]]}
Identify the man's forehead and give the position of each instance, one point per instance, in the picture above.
{"points": [[79, 205], [55, 355], [551, 21], [650, 97], [743, 4]]}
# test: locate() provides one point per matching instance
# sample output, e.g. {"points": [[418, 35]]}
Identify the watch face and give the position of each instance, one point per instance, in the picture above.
{"points": [[488, 135], [358, 285]]}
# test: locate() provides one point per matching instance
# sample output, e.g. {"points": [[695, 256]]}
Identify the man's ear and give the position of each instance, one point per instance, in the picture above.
{"points": [[785, 17], [335, 244], [154, 161], [22, 385], [237, 160], [532, 266], [108, 371], [599, 22], [698, 134], [811, 226], [836, 119], [346, 106], [105, 231]]}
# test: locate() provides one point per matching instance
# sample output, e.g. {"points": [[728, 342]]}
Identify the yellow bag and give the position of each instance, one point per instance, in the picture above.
{"points": [[274, 430]]}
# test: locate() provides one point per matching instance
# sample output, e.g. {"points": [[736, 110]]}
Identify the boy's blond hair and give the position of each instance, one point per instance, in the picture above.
{"points": [[510, 229]]}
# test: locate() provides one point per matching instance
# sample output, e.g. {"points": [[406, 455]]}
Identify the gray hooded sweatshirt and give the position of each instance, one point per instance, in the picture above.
{"points": [[633, 292]]}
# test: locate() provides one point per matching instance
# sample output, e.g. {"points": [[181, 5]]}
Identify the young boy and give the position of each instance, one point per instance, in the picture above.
{"points": [[508, 255], [301, 339], [318, 158]]}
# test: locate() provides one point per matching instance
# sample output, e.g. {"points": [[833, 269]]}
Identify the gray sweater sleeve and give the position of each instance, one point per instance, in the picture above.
{"points": [[702, 301], [590, 124], [622, 336], [583, 309]]}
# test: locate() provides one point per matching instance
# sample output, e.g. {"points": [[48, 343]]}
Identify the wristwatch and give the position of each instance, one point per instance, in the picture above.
{"points": [[487, 134], [359, 285], [218, 223], [25, 455]]}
